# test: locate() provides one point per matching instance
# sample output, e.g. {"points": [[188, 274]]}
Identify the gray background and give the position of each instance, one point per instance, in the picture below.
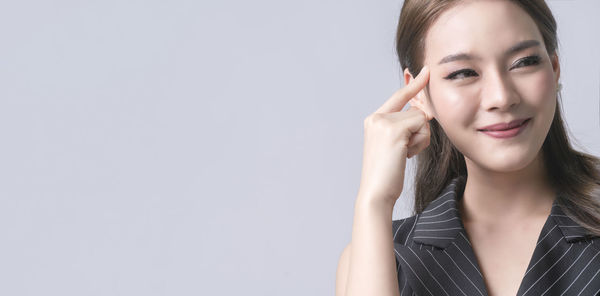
{"points": [[204, 148]]}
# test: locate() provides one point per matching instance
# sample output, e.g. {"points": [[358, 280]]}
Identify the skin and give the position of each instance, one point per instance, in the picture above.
{"points": [[367, 266], [507, 196]]}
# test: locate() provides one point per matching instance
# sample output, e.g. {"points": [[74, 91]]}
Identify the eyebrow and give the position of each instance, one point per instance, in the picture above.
{"points": [[514, 49]]}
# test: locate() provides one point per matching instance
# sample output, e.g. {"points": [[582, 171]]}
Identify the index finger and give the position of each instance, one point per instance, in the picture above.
{"points": [[399, 99]]}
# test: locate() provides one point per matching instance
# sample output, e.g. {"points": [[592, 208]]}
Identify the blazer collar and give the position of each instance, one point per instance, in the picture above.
{"points": [[440, 224]]}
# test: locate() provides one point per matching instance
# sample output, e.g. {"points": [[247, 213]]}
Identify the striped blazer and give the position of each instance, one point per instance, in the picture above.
{"points": [[434, 255]]}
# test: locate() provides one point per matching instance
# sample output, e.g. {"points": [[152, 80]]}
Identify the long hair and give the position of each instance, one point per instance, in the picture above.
{"points": [[575, 174]]}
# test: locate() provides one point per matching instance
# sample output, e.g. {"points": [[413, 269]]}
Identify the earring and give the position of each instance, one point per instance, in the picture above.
{"points": [[559, 87]]}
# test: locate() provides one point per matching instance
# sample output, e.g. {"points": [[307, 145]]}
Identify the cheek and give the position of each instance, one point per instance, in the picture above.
{"points": [[539, 89], [454, 106]]}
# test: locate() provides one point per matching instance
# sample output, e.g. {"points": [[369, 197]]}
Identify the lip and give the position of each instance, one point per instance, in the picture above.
{"points": [[503, 126], [509, 132]]}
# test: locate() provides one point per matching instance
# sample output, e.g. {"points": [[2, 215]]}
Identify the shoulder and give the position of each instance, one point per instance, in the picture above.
{"points": [[442, 209], [403, 228]]}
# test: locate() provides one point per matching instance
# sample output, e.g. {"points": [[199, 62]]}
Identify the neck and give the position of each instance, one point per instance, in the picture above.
{"points": [[492, 197]]}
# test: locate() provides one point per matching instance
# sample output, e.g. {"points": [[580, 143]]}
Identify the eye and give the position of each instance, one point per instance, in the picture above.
{"points": [[461, 74], [528, 61], [524, 62]]}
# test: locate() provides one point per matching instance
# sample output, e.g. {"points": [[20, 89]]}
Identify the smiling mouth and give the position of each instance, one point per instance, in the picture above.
{"points": [[507, 133], [505, 127]]}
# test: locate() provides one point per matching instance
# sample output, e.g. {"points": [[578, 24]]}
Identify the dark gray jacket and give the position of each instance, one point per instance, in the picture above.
{"points": [[434, 255]]}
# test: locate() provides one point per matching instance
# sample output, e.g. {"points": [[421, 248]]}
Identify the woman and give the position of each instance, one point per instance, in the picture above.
{"points": [[503, 204]]}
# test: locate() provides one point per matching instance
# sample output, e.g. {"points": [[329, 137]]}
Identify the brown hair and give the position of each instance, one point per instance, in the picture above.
{"points": [[575, 174]]}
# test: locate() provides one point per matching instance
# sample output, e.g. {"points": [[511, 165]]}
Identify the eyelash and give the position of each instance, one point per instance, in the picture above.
{"points": [[531, 60]]}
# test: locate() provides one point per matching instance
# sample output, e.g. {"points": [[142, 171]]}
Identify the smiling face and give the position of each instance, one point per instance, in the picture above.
{"points": [[488, 64]]}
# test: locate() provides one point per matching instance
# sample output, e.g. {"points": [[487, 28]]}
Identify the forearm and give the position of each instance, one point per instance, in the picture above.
{"points": [[372, 269]]}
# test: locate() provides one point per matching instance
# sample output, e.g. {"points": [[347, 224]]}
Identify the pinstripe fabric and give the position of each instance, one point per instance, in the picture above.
{"points": [[434, 255]]}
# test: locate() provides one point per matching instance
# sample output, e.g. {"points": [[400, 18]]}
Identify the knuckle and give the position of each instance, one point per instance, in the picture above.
{"points": [[427, 131], [403, 137], [377, 116], [373, 119]]}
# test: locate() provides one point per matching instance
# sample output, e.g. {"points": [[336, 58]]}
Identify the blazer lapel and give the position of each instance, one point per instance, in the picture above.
{"points": [[565, 260], [438, 258]]}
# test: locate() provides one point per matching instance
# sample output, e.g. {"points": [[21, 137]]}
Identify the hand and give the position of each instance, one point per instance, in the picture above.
{"points": [[392, 135]]}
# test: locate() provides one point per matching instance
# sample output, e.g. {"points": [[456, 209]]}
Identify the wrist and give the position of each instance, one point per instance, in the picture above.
{"points": [[374, 202]]}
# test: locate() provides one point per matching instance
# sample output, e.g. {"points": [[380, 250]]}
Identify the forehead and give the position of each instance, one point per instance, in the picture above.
{"points": [[485, 27]]}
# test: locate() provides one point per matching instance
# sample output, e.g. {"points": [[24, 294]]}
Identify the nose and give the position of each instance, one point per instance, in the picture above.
{"points": [[498, 93]]}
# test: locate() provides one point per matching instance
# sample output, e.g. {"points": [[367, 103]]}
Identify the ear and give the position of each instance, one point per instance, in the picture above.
{"points": [[420, 100], [555, 66]]}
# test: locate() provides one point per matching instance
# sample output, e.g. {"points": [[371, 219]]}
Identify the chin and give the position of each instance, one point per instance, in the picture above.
{"points": [[509, 161], [507, 166]]}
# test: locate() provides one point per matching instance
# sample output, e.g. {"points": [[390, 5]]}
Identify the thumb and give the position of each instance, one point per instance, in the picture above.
{"points": [[415, 104]]}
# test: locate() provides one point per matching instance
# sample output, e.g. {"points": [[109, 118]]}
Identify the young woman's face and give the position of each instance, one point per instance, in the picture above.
{"points": [[490, 84]]}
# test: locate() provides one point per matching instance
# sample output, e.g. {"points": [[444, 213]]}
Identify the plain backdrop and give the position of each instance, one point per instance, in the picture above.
{"points": [[205, 147]]}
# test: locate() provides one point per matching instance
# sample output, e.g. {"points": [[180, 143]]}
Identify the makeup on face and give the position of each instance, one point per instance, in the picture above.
{"points": [[492, 82], [455, 72], [507, 132]]}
